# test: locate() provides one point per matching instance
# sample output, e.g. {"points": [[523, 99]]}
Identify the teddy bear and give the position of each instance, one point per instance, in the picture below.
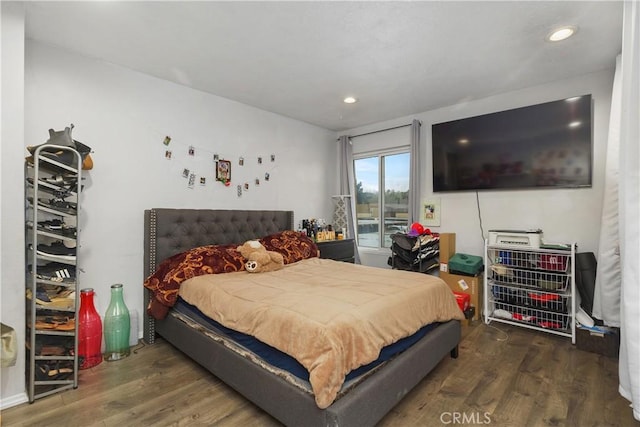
{"points": [[259, 259]]}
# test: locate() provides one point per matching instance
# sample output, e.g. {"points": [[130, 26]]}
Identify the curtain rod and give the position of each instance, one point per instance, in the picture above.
{"points": [[378, 131]]}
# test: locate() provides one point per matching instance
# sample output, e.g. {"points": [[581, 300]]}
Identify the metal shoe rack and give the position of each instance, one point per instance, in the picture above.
{"points": [[52, 296]]}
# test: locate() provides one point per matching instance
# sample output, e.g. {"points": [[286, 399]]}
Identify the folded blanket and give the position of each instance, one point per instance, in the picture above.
{"points": [[331, 316]]}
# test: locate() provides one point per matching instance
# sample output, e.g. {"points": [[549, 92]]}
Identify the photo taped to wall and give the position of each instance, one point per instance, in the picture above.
{"points": [[223, 171]]}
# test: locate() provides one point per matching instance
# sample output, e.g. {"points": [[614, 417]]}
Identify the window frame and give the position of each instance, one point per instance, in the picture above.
{"points": [[380, 154]]}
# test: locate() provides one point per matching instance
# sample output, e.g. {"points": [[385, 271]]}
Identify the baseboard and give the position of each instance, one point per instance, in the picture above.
{"points": [[8, 402]]}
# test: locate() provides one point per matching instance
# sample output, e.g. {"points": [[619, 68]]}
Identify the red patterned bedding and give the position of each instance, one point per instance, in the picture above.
{"points": [[215, 259]]}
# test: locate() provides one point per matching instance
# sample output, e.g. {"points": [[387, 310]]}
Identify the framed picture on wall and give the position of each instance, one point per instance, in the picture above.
{"points": [[431, 212], [223, 171]]}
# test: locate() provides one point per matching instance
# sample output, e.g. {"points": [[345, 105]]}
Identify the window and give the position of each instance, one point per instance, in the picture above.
{"points": [[382, 197]]}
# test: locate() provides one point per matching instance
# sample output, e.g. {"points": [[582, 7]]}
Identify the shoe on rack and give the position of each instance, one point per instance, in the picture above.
{"points": [[64, 181], [57, 323], [59, 205], [51, 350], [63, 300], [59, 186], [57, 269], [65, 157], [52, 370], [53, 345], [61, 194], [56, 226], [52, 224], [55, 272], [70, 187], [41, 296], [58, 249]]}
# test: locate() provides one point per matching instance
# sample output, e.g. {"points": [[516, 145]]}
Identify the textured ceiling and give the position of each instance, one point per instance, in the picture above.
{"points": [[300, 59]]}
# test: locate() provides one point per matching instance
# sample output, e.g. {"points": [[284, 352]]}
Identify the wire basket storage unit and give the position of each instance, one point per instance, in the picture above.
{"points": [[532, 288]]}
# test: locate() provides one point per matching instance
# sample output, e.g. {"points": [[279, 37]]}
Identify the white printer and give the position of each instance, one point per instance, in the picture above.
{"points": [[524, 239]]}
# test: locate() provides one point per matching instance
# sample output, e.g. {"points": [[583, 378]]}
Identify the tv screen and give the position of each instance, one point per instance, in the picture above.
{"points": [[539, 146]]}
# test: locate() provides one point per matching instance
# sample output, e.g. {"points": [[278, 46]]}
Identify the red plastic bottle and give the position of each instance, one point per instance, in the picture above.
{"points": [[89, 331]]}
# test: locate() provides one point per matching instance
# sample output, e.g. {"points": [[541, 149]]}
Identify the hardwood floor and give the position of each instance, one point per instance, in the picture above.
{"points": [[507, 377]]}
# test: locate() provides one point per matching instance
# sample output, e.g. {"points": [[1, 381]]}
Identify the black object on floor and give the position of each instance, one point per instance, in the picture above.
{"points": [[586, 266]]}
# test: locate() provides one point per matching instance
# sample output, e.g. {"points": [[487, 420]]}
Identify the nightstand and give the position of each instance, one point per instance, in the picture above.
{"points": [[339, 250]]}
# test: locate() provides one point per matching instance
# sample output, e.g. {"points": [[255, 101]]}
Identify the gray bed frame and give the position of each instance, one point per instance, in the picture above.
{"points": [[171, 231]]}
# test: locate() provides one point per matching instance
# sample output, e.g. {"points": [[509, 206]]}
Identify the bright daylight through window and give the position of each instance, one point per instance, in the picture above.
{"points": [[382, 197]]}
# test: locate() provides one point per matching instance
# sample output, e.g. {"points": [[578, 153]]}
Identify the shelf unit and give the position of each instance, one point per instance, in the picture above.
{"points": [[415, 253], [531, 288], [52, 195]]}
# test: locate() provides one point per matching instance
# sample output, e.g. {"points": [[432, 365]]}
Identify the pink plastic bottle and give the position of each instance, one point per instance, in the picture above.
{"points": [[89, 331]]}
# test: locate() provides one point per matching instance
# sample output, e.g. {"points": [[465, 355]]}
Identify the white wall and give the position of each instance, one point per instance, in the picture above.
{"points": [[124, 116], [564, 215], [12, 210]]}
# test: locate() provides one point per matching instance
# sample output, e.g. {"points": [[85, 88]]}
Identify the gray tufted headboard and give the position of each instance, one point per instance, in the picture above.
{"points": [[170, 231]]}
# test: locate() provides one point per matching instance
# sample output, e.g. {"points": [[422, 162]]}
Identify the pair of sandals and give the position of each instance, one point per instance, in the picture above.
{"points": [[55, 323], [63, 300], [54, 371]]}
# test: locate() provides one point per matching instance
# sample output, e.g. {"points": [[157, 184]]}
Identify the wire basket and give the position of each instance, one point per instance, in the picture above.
{"points": [[530, 279], [532, 316], [542, 261], [548, 301]]}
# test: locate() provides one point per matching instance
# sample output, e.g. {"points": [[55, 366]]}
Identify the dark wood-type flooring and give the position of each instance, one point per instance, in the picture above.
{"points": [[507, 377]]}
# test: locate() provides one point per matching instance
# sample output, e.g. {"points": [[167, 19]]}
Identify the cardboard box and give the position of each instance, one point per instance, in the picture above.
{"points": [[447, 246], [471, 285]]}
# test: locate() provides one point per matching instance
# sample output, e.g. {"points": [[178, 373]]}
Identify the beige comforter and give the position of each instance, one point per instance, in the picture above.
{"points": [[330, 316]]}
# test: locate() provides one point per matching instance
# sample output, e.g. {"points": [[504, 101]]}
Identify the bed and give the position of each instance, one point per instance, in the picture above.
{"points": [[171, 231]]}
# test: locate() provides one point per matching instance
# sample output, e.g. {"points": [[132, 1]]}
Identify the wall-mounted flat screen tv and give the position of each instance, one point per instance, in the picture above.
{"points": [[538, 146]]}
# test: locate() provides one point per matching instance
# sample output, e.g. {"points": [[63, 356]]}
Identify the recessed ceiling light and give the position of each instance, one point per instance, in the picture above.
{"points": [[561, 34], [575, 124], [463, 141], [350, 100]]}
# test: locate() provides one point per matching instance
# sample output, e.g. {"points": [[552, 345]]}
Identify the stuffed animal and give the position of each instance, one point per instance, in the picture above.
{"points": [[259, 259]]}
